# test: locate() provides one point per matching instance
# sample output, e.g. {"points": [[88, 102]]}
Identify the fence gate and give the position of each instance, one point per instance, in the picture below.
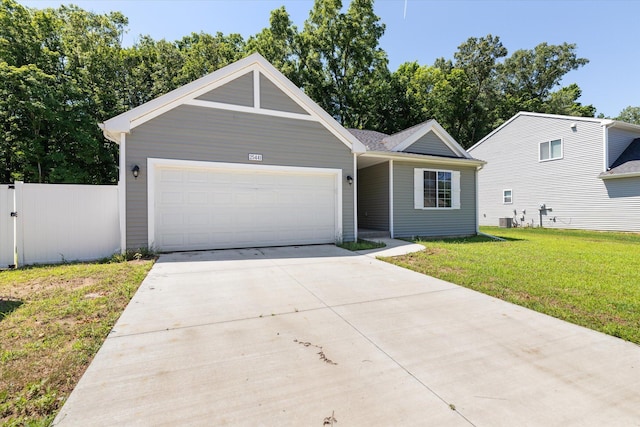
{"points": [[6, 225]]}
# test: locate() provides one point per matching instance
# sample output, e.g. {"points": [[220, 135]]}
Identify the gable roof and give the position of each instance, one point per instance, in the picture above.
{"points": [[627, 165], [601, 122], [188, 93], [398, 142]]}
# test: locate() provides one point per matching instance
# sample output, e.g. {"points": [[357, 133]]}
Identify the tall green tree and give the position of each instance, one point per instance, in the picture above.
{"points": [[279, 44], [482, 87], [564, 101], [461, 95], [340, 58], [204, 54], [151, 68], [630, 115], [60, 75], [474, 114], [529, 76]]}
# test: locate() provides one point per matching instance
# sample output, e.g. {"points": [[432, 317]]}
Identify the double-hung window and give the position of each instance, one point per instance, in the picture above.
{"points": [[551, 150], [436, 189], [507, 197]]}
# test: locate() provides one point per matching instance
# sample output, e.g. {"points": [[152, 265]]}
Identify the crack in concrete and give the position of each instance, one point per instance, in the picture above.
{"points": [[323, 356]]}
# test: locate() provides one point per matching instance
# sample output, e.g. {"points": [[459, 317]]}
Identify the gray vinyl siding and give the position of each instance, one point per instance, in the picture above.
{"points": [[206, 134], [272, 98], [238, 92], [619, 140], [570, 186], [409, 222], [430, 144], [373, 197]]}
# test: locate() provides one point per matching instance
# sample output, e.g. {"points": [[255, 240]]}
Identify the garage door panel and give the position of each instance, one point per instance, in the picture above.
{"points": [[169, 239], [197, 197], [222, 208], [197, 177], [221, 197], [171, 197], [171, 175], [198, 238], [170, 220], [197, 219]]}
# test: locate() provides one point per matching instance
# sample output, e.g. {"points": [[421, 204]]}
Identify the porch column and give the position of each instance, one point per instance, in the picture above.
{"points": [[391, 198]]}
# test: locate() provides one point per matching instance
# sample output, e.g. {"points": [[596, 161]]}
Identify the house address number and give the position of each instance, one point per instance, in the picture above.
{"points": [[255, 157]]}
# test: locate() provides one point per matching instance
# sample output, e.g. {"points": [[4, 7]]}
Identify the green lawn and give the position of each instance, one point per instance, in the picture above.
{"points": [[587, 278], [53, 319], [361, 245]]}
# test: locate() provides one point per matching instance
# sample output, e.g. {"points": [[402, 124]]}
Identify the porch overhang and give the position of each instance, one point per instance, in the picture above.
{"points": [[371, 158]]}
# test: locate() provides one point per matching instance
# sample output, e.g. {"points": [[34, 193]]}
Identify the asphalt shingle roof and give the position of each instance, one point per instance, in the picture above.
{"points": [[374, 141], [628, 162], [397, 138], [378, 141]]}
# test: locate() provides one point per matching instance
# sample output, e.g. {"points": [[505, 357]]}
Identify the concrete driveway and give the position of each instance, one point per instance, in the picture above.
{"points": [[316, 335]]}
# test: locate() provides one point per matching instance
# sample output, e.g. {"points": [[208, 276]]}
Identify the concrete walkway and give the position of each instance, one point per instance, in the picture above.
{"points": [[393, 247], [307, 336]]}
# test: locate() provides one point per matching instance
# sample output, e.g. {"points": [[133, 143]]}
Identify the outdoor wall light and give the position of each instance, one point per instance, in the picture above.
{"points": [[135, 171], [349, 179]]}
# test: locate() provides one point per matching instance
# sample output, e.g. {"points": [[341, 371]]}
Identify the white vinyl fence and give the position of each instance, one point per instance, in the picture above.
{"points": [[50, 223]]}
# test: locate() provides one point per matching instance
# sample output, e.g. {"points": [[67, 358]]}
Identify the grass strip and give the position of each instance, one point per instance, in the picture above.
{"points": [[361, 245], [53, 320]]}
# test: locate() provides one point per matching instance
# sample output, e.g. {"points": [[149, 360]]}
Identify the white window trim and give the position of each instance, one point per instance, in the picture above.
{"points": [[551, 158], [418, 188], [504, 202]]}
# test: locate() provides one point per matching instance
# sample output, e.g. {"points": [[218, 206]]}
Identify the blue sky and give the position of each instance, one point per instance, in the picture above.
{"points": [[605, 31]]}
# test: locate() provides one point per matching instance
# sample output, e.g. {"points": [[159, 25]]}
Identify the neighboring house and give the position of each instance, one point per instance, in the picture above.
{"points": [[243, 158], [583, 172]]}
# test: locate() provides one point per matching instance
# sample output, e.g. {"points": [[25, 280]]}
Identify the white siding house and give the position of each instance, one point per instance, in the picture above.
{"points": [[584, 172]]}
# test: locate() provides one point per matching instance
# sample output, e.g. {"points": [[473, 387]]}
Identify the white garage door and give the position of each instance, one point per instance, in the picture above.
{"points": [[220, 206]]}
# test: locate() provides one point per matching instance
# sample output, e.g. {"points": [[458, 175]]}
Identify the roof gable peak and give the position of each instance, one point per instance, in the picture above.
{"points": [[188, 93]]}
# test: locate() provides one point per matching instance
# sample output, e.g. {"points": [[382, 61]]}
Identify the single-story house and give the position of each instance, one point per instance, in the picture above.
{"points": [[561, 171], [243, 158]]}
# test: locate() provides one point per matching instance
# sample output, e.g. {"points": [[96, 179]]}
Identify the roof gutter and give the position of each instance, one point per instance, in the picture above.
{"points": [[423, 158], [619, 175], [111, 136]]}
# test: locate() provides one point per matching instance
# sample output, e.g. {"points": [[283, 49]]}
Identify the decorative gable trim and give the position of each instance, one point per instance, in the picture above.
{"points": [[186, 94], [252, 110], [433, 126]]}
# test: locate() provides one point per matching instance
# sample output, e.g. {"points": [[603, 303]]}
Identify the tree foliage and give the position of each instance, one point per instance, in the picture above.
{"points": [[630, 115], [60, 73], [64, 70], [340, 58]]}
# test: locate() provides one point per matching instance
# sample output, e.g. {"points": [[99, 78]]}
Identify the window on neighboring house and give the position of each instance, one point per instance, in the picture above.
{"points": [[507, 197], [551, 150], [436, 189]]}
